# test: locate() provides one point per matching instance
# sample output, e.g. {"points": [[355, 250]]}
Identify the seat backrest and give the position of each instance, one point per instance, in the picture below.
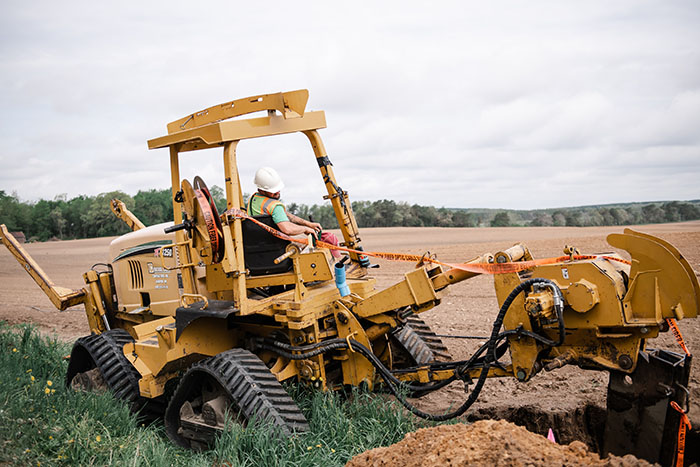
{"points": [[260, 248]]}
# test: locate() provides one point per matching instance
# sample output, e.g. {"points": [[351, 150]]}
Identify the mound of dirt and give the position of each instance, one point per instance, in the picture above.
{"points": [[486, 442]]}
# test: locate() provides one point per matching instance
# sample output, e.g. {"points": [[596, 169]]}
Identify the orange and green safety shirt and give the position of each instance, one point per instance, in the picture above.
{"points": [[259, 204]]}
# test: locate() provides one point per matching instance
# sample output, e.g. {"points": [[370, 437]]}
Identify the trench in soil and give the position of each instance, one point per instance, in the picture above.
{"points": [[585, 424]]}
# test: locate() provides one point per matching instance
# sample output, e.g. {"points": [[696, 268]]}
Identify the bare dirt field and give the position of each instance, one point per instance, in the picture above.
{"points": [[567, 400]]}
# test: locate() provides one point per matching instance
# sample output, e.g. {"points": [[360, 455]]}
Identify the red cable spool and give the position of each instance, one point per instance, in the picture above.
{"points": [[211, 219]]}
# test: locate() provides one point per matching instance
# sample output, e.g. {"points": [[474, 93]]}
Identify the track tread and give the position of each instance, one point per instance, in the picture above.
{"points": [[420, 342], [249, 384], [436, 345], [106, 352]]}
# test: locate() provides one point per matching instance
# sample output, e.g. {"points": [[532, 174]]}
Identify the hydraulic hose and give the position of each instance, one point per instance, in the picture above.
{"points": [[558, 305], [493, 351]]}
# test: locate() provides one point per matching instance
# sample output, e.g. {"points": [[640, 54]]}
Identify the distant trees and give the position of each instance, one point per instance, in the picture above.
{"points": [[91, 216], [501, 219], [652, 213], [385, 213]]}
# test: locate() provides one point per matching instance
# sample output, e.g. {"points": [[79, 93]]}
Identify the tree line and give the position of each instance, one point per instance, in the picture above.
{"points": [[91, 216]]}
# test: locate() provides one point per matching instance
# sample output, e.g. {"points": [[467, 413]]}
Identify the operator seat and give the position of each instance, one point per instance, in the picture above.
{"points": [[260, 248]]}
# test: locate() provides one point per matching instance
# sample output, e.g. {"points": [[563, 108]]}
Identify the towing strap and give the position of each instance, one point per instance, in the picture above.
{"points": [[682, 426], [684, 422], [478, 268]]}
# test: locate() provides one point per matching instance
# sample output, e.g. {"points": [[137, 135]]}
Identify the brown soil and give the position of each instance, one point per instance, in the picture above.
{"points": [[569, 400], [487, 442]]}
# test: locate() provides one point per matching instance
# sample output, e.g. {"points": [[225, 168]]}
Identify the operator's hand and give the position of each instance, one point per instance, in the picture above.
{"points": [[310, 231], [316, 227]]}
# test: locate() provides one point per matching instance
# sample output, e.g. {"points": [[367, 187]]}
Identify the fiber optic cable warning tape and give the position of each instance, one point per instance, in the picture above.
{"points": [[677, 334], [478, 268], [682, 426], [684, 421]]}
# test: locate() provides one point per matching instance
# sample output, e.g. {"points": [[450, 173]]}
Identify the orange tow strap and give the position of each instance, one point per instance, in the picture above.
{"points": [[479, 268], [685, 423]]}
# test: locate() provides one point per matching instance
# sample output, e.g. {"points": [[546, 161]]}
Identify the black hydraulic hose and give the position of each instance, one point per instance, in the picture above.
{"points": [[559, 307], [341, 344], [391, 381], [312, 350], [488, 360]]}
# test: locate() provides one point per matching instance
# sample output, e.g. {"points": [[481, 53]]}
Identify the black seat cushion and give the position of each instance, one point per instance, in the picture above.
{"points": [[260, 248]]}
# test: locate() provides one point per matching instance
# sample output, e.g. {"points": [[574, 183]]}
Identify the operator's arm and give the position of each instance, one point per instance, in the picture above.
{"points": [[291, 224], [315, 226], [290, 228]]}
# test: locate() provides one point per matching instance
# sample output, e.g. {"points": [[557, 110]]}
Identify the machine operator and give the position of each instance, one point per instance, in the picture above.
{"points": [[267, 201]]}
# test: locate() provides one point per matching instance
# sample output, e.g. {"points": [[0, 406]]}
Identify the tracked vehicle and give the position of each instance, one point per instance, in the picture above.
{"points": [[206, 316]]}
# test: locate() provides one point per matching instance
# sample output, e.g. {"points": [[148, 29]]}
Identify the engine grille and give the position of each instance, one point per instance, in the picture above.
{"points": [[136, 274]]}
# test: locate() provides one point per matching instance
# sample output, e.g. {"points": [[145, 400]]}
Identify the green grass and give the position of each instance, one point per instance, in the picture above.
{"points": [[43, 423]]}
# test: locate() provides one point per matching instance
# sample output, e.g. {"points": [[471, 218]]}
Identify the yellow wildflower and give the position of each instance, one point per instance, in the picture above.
{"points": [[50, 437], [52, 391], [332, 450], [310, 448], [49, 383], [29, 370], [14, 350], [98, 438], [47, 391], [319, 445], [32, 378]]}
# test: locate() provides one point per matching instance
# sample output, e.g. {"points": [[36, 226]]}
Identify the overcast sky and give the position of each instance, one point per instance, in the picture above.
{"points": [[459, 104]]}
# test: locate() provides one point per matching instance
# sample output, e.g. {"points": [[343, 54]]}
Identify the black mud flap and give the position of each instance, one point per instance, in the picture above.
{"points": [[220, 309], [640, 420]]}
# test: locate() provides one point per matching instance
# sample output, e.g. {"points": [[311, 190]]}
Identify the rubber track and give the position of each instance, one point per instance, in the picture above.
{"points": [[420, 342], [436, 345], [249, 384], [407, 339], [106, 352]]}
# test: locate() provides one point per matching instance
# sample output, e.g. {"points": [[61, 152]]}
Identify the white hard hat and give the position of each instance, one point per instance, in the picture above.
{"points": [[267, 179]]}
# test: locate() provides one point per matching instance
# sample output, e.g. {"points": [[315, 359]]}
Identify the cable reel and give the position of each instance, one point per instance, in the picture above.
{"points": [[204, 223]]}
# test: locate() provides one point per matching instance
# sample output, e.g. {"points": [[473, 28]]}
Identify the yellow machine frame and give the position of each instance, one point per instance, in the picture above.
{"points": [[602, 309]]}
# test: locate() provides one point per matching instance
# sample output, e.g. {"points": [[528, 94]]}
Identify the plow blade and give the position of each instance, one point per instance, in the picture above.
{"points": [[662, 283], [640, 419]]}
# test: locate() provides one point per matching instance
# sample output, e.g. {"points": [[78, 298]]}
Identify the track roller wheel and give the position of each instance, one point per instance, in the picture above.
{"points": [[97, 363], [234, 383]]}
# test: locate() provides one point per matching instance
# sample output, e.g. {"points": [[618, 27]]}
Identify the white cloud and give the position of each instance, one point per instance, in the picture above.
{"points": [[513, 104]]}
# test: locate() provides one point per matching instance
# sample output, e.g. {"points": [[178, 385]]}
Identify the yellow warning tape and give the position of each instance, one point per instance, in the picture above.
{"points": [[478, 268]]}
